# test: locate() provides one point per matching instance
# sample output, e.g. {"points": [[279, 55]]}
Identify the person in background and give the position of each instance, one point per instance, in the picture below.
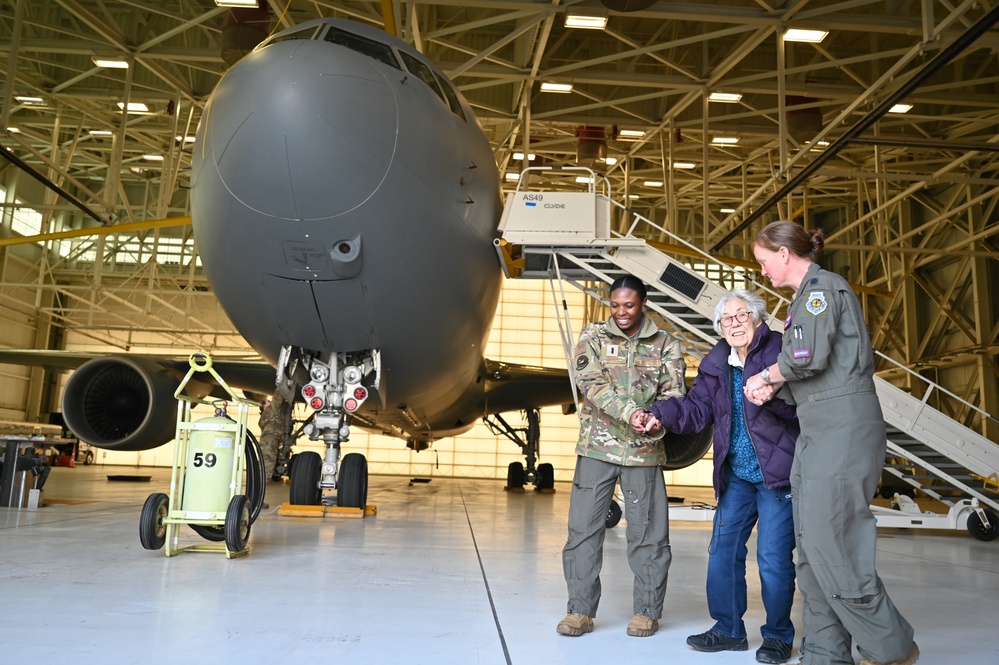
{"points": [[753, 450], [621, 366], [271, 426], [827, 362]]}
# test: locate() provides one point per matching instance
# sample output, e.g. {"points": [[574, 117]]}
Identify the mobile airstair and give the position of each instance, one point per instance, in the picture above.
{"points": [[567, 237]]}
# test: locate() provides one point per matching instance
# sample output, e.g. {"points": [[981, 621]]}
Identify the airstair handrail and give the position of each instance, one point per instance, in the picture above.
{"points": [[591, 181]]}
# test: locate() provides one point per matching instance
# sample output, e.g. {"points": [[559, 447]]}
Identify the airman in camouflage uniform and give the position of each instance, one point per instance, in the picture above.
{"points": [[619, 376], [271, 426]]}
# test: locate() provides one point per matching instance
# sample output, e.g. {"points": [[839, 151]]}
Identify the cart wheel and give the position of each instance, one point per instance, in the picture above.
{"points": [[152, 530], [237, 523], [546, 477], [515, 475], [979, 531], [305, 473], [88, 458], [613, 515], [352, 485]]}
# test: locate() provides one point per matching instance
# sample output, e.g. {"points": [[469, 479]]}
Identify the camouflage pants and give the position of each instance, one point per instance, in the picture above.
{"points": [[645, 509], [269, 445]]}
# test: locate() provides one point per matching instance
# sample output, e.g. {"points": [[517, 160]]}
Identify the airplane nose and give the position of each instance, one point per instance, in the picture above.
{"points": [[339, 123]]}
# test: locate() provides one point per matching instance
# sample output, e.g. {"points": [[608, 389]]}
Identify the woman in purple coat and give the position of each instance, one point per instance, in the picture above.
{"points": [[753, 450]]}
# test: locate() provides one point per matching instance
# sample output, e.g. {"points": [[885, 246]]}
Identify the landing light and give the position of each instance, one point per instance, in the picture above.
{"points": [[351, 374]]}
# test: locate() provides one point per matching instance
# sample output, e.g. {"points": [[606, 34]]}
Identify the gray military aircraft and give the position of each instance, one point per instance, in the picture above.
{"points": [[344, 202]]}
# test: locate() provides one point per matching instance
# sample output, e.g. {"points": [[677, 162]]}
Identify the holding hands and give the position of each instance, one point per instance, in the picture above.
{"points": [[759, 391], [643, 422]]}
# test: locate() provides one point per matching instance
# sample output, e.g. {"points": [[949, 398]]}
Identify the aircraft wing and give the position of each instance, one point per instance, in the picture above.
{"points": [[513, 387]]}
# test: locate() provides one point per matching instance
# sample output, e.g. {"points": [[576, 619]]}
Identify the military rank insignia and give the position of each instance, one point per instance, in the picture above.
{"points": [[816, 302]]}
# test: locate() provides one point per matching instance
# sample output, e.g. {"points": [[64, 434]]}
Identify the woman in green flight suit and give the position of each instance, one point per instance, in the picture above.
{"points": [[828, 365]]}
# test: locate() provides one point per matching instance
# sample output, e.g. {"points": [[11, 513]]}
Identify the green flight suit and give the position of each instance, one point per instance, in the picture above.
{"points": [[617, 375], [829, 366]]}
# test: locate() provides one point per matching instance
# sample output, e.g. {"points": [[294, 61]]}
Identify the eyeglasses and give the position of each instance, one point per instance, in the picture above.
{"points": [[729, 321]]}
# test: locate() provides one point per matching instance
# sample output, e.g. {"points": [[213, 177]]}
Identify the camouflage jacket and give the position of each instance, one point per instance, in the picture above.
{"points": [[271, 419], [615, 376]]}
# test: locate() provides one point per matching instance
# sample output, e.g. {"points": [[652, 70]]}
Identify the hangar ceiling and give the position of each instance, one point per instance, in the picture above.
{"points": [[908, 200]]}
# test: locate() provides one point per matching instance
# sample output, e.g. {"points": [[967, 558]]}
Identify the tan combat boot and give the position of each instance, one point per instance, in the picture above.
{"points": [[575, 624], [908, 660], [642, 626]]}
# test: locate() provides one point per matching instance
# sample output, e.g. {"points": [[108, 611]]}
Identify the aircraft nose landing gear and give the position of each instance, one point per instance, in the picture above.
{"points": [[335, 391], [527, 438]]}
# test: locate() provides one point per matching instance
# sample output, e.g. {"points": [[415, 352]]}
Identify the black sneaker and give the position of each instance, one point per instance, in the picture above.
{"points": [[774, 651], [715, 641]]}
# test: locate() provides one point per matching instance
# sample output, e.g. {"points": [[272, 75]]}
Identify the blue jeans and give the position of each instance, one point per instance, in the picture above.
{"points": [[739, 509]]}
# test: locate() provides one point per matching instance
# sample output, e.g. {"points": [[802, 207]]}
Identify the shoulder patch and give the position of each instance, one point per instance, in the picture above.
{"points": [[816, 302], [582, 361], [815, 280]]}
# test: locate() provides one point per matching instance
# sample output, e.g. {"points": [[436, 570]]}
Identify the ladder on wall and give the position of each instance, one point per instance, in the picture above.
{"points": [[567, 236]]}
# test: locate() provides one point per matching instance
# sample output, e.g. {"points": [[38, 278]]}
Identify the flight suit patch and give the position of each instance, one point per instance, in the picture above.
{"points": [[816, 303], [802, 353], [612, 351], [582, 361]]}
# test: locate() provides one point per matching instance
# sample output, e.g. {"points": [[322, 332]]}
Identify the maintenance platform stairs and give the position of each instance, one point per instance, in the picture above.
{"points": [[567, 236]]}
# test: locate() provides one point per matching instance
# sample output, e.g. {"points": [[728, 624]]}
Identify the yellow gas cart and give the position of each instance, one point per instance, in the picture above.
{"points": [[207, 486]]}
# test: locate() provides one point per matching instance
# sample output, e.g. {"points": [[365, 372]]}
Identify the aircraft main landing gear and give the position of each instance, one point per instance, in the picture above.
{"points": [[527, 438]]}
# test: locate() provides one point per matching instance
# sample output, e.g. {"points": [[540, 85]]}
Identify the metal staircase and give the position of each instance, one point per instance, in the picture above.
{"points": [[568, 236]]}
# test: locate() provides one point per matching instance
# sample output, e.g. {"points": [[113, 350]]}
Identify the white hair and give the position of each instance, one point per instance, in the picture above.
{"points": [[756, 305]]}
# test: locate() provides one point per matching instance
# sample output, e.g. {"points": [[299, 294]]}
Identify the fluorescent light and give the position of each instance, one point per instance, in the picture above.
{"points": [[900, 108], [556, 87], [610, 161], [823, 142], [134, 107], [726, 211], [684, 165], [519, 156], [13, 130], [728, 140], [631, 134], [101, 132], [185, 139], [26, 99], [652, 183], [585, 179], [586, 22], [632, 196], [110, 63], [153, 158], [238, 3], [807, 36], [513, 176], [726, 97]]}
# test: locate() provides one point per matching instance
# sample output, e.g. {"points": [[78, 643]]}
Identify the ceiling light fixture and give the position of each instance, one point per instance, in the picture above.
{"points": [[27, 99], [513, 176], [684, 165], [727, 140], [185, 139], [110, 63], [805, 36], [519, 156], [13, 130], [134, 107], [153, 158], [584, 179], [725, 97], [727, 211], [900, 108], [255, 4], [101, 132], [610, 161], [556, 87], [631, 134], [585, 21], [652, 183]]}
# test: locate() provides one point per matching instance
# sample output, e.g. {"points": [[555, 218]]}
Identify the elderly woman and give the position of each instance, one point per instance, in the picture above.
{"points": [[753, 451]]}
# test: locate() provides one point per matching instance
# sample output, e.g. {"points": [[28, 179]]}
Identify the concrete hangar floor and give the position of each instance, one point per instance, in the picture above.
{"points": [[450, 571]]}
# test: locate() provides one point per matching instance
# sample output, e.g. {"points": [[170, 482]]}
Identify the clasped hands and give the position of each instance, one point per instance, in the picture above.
{"points": [[644, 422], [759, 391]]}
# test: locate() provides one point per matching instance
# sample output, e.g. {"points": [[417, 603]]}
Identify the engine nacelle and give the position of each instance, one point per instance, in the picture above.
{"points": [[122, 403]]}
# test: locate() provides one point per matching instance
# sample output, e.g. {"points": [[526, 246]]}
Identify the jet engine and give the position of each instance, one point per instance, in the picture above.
{"points": [[122, 403]]}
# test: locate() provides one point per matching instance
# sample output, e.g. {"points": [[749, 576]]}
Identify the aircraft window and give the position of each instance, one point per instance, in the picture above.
{"points": [[452, 98], [369, 47], [304, 33], [424, 73]]}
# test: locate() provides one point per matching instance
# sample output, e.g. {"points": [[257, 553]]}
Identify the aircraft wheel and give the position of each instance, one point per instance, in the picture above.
{"points": [[546, 477], [613, 514], [979, 531], [152, 530], [237, 523], [352, 485], [515, 475], [305, 473]]}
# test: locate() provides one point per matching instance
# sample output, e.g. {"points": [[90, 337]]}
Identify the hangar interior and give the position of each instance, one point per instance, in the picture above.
{"points": [[708, 118]]}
